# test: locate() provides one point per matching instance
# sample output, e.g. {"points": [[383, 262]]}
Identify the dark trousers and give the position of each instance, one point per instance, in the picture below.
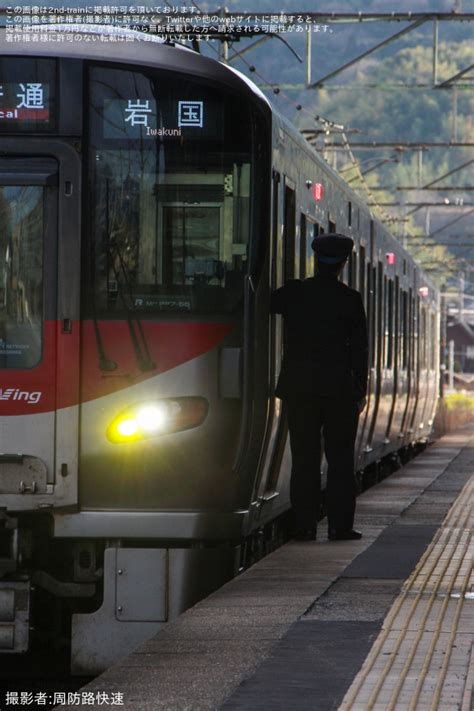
{"points": [[336, 419]]}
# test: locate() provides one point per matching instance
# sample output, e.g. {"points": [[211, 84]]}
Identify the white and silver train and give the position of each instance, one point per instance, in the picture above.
{"points": [[150, 200]]}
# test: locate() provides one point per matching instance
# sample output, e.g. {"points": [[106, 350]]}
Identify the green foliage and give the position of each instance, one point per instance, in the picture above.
{"points": [[415, 115], [381, 99], [411, 114]]}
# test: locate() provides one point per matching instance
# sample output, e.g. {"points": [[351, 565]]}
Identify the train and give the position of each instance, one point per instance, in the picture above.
{"points": [[151, 198]]}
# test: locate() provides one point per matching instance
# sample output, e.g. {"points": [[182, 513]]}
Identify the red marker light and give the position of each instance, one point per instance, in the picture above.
{"points": [[318, 191], [390, 257]]}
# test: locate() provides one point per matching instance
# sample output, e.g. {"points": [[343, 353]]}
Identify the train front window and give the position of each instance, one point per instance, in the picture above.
{"points": [[169, 194]]}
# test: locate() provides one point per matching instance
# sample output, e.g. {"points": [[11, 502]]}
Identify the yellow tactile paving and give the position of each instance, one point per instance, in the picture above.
{"points": [[422, 659]]}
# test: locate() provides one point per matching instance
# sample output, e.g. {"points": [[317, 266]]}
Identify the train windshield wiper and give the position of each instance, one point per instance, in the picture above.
{"points": [[105, 363], [137, 334]]}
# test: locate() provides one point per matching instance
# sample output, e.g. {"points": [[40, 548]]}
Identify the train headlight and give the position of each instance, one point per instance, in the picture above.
{"points": [[153, 418], [127, 427]]}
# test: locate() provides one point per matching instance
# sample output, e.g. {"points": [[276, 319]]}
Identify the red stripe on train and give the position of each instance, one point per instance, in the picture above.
{"points": [[60, 380]]}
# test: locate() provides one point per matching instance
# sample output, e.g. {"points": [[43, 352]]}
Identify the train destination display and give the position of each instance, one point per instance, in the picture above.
{"points": [[165, 118], [24, 102], [27, 95]]}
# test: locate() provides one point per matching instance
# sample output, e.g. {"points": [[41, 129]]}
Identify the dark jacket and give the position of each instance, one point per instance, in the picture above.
{"points": [[326, 346]]}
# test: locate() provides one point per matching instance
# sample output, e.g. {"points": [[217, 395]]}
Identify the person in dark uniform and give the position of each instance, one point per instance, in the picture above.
{"points": [[323, 383]]}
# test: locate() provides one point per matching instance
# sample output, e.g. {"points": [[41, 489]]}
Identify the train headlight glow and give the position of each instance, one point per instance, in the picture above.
{"points": [[127, 427], [153, 418]]}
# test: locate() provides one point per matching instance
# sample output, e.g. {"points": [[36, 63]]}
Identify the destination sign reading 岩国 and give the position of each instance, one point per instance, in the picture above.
{"points": [[148, 118]]}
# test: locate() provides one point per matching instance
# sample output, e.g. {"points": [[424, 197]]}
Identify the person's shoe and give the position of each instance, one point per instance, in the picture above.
{"points": [[338, 534], [305, 534]]}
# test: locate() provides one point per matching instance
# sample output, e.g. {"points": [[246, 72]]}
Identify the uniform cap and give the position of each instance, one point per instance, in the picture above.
{"points": [[332, 248]]}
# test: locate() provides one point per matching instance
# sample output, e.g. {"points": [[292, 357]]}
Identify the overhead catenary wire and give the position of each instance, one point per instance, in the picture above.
{"points": [[328, 127]]}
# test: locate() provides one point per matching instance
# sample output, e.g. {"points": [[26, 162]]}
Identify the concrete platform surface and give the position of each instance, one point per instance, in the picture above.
{"points": [[296, 629]]}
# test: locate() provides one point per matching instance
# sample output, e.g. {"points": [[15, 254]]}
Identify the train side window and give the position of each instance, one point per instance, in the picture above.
{"points": [[427, 338], [423, 337], [289, 234], [276, 275], [380, 302], [397, 327], [362, 273], [433, 343], [372, 239], [375, 305], [384, 301], [370, 307], [311, 232], [303, 247], [346, 272], [389, 323], [430, 337], [418, 334], [331, 226], [352, 270], [404, 330]]}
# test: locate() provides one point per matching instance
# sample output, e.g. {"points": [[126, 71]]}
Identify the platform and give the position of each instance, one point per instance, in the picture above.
{"points": [[382, 623]]}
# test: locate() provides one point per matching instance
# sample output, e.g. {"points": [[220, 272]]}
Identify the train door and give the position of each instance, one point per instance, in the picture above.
{"points": [[282, 269], [367, 281], [376, 347], [37, 346], [415, 366], [433, 355], [368, 293], [404, 359], [427, 341], [393, 349], [409, 359]]}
